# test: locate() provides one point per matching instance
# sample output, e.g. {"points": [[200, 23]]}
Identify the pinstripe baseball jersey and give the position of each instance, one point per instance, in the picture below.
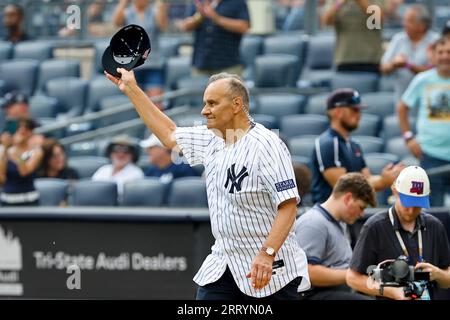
{"points": [[245, 181]]}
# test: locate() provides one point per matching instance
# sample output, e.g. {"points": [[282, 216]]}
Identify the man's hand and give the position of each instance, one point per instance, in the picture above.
{"points": [[390, 172], [261, 270], [399, 61], [125, 82], [428, 267], [6, 139], [206, 9], [415, 148]]}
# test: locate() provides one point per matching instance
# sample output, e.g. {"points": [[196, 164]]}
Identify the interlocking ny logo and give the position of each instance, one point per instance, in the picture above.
{"points": [[236, 180]]}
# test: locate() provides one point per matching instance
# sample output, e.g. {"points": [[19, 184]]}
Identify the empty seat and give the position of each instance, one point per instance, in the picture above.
{"points": [[168, 47], [369, 144], [379, 103], [71, 94], [113, 101], [387, 83], [94, 193], [369, 125], [188, 192], [19, 75], [317, 104], [268, 121], [99, 88], [86, 166], [302, 145], [37, 50], [249, 49], [99, 47], [276, 70], [57, 68], [377, 161], [362, 81], [147, 192], [279, 105], [303, 124], [319, 60], [285, 44], [52, 191], [176, 68], [197, 83], [5, 50], [391, 127], [397, 146], [43, 107], [410, 160]]}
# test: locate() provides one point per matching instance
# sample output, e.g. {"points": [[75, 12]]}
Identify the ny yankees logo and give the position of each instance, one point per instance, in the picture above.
{"points": [[236, 180], [417, 187]]}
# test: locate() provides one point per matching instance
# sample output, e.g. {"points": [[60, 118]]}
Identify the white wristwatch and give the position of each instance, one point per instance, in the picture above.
{"points": [[268, 250]]}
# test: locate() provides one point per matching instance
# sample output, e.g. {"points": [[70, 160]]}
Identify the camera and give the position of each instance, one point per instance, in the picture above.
{"points": [[397, 273]]}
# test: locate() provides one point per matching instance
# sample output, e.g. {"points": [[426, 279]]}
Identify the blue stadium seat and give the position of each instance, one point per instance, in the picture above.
{"points": [[302, 145], [369, 144], [397, 146], [112, 101], [5, 50], [169, 47], [268, 121], [36, 50], [19, 75], [99, 88], [93, 193], [279, 105], [99, 48], [82, 149], [319, 60], [56, 68], [188, 192], [303, 124], [391, 127], [177, 68], [43, 107], [87, 165], [410, 160], [190, 120], [317, 104], [276, 70], [362, 81], [250, 48], [71, 94], [369, 125], [387, 83], [377, 161], [380, 103], [191, 83], [52, 191], [147, 192]]}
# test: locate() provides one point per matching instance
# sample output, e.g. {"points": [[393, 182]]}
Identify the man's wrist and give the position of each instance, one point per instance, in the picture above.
{"points": [[407, 136]]}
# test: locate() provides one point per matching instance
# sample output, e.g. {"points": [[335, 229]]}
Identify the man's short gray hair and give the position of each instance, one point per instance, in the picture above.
{"points": [[236, 86], [422, 14]]}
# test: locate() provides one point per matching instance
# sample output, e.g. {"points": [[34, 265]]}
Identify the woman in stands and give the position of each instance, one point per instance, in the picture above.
{"points": [[19, 163], [54, 163]]}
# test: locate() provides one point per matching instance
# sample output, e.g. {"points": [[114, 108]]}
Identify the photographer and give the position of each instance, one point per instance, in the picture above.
{"points": [[403, 230]]}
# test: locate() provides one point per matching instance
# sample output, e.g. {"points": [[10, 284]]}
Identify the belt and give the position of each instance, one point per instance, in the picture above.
{"points": [[19, 197]]}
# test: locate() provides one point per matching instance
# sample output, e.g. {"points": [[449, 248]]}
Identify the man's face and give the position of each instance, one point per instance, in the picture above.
{"points": [[349, 118], [406, 214], [442, 56], [411, 25], [355, 209], [218, 106], [17, 110], [120, 156], [11, 17], [157, 155]]}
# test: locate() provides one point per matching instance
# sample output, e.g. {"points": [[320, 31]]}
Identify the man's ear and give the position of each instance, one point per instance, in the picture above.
{"points": [[238, 104], [347, 197]]}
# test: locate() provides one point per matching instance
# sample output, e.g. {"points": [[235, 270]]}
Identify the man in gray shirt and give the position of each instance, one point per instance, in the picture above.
{"points": [[321, 232]]}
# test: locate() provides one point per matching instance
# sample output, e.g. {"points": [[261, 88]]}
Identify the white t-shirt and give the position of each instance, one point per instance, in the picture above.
{"points": [[128, 173], [245, 181]]}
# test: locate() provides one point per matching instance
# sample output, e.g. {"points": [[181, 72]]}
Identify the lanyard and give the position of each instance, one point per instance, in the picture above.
{"points": [[402, 244]]}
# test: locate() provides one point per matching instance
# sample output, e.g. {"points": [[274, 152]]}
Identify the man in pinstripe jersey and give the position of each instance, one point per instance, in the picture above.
{"points": [[252, 196]]}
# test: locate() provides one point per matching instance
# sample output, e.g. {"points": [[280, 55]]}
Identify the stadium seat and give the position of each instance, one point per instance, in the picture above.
{"points": [[36, 50], [191, 83], [303, 124], [86, 166], [188, 192], [302, 145], [113, 101], [147, 192], [99, 88], [82, 149], [276, 70], [99, 48], [268, 121], [279, 105], [19, 75], [5, 50], [190, 120], [250, 48], [369, 125], [43, 107], [71, 93], [379, 103], [369, 144], [93, 193], [410, 160], [169, 47], [387, 83], [52, 191], [391, 128], [56, 68], [397, 146], [362, 81], [377, 161], [317, 104], [319, 60], [177, 68]]}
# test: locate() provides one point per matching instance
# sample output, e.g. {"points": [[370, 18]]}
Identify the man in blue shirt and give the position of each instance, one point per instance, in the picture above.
{"points": [[335, 153], [430, 92], [162, 164], [219, 26]]}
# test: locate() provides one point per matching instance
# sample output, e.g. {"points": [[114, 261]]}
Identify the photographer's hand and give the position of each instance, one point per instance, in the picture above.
{"points": [[441, 276]]}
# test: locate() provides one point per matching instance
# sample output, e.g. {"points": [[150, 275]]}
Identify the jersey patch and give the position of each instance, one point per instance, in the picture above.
{"points": [[285, 185]]}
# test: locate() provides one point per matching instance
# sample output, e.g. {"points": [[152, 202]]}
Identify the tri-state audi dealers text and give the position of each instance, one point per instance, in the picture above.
{"points": [[125, 261]]}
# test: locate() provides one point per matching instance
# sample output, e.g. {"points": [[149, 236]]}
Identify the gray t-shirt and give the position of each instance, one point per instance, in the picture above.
{"points": [[415, 54], [323, 239]]}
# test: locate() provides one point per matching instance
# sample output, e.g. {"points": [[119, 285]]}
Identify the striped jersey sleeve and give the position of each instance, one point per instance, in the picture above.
{"points": [[277, 173], [193, 142]]}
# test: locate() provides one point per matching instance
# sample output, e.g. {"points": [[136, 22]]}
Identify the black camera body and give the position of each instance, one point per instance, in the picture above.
{"points": [[397, 273]]}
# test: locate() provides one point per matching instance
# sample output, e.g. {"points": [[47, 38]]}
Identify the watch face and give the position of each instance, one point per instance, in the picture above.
{"points": [[270, 251]]}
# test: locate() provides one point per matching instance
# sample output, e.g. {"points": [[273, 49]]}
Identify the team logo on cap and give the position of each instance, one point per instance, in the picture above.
{"points": [[417, 187]]}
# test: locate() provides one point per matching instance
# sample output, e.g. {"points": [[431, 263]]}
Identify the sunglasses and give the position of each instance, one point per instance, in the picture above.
{"points": [[123, 149]]}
